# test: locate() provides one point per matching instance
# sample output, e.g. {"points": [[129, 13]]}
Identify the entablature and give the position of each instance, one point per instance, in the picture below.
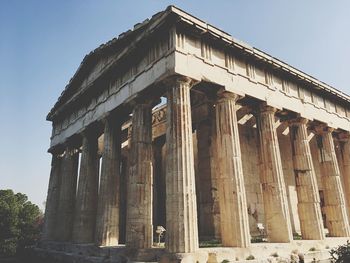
{"points": [[201, 58], [174, 42]]}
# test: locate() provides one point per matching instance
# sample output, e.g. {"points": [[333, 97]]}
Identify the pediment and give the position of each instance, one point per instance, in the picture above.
{"points": [[97, 62]]}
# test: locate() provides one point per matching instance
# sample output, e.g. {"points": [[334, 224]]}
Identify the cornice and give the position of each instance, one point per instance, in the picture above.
{"points": [[121, 44]]}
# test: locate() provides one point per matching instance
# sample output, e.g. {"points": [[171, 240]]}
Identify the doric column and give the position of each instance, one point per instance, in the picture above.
{"points": [[68, 186], [159, 186], [107, 220], [232, 197], [215, 174], [139, 229], [306, 184], [52, 198], [86, 201], [123, 199], [346, 167], [336, 217], [277, 218], [204, 185], [181, 208]]}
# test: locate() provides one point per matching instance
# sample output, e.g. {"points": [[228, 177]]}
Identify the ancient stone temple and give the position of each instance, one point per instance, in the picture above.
{"points": [[176, 124]]}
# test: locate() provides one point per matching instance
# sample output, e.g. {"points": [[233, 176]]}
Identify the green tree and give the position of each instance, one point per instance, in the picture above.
{"points": [[20, 222], [341, 254]]}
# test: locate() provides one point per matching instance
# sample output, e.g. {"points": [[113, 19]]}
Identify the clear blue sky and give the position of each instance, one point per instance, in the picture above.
{"points": [[43, 42]]}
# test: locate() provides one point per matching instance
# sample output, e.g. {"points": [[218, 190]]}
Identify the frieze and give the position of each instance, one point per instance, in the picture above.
{"points": [[159, 115]]}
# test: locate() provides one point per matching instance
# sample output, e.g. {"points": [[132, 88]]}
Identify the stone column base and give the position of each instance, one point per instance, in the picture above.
{"points": [[200, 257], [59, 252]]}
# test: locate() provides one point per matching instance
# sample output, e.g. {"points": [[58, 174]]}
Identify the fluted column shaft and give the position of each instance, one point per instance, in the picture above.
{"points": [[159, 187], [52, 198], [139, 228], [215, 176], [204, 185], [86, 202], [336, 217], [346, 169], [181, 208], [68, 186], [309, 209], [232, 196], [107, 220], [123, 199], [277, 218]]}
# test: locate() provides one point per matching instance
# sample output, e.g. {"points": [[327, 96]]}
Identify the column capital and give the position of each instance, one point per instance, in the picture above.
{"points": [[322, 129], [178, 79], [343, 136], [297, 121], [70, 147], [264, 108], [56, 156], [143, 102], [224, 95], [91, 132], [58, 150], [71, 144], [115, 118]]}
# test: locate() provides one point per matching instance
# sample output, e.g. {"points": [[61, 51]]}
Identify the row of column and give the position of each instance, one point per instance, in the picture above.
{"points": [[89, 213], [227, 178], [277, 217], [94, 216]]}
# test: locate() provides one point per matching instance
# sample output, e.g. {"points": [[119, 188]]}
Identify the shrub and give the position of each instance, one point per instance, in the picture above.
{"points": [[341, 254], [250, 257], [297, 236], [258, 239], [210, 243]]}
